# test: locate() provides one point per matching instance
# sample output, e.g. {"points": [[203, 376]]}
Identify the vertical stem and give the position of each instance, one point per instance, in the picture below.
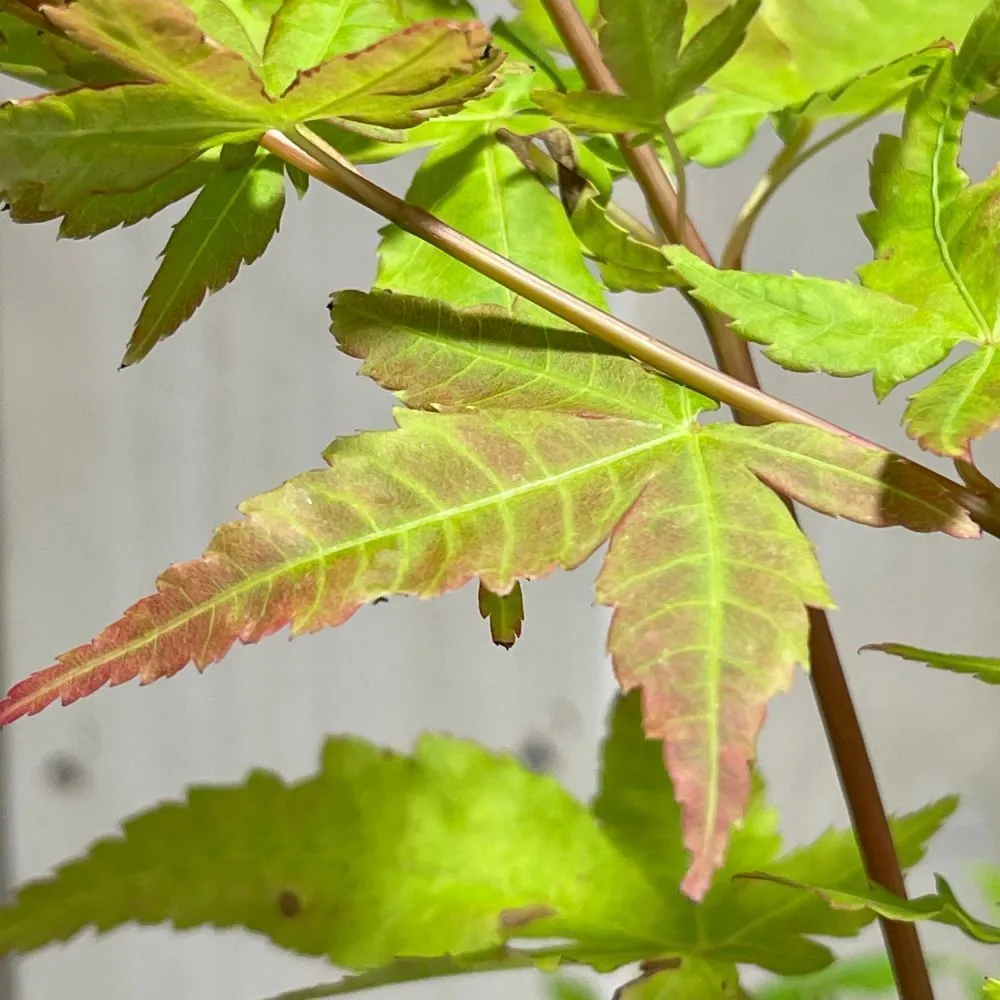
{"points": [[847, 742]]}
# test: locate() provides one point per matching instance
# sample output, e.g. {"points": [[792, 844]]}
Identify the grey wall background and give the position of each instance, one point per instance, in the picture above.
{"points": [[108, 477]]}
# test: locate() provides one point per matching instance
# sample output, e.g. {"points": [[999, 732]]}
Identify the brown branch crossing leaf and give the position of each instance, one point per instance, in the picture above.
{"points": [[707, 573]]}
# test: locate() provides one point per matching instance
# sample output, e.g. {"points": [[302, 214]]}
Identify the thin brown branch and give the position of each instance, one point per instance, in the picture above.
{"points": [[309, 153], [847, 742]]}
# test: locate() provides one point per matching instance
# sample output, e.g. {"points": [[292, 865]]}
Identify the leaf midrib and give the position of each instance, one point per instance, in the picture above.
{"points": [[59, 683]]}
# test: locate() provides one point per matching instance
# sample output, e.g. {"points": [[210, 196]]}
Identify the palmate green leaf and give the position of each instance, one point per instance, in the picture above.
{"points": [[229, 224], [505, 613], [625, 262], [984, 668], [534, 17], [241, 25], [709, 578], [476, 184], [57, 150], [420, 510], [379, 855], [814, 324], [941, 907]]}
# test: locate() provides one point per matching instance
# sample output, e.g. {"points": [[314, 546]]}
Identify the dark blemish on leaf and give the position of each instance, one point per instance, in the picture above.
{"points": [[538, 754], [519, 916], [487, 52], [653, 965], [289, 904], [64, 773], [380, 600]]}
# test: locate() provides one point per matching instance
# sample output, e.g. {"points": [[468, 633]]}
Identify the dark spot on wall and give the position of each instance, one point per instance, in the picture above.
{"points": [[538, 754], [64, 772]]}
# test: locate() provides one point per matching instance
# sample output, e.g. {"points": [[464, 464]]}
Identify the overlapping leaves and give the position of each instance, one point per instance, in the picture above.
{"points": [[103, 157], [811, 60], [934, 281], [549, 441], [425, 865]]}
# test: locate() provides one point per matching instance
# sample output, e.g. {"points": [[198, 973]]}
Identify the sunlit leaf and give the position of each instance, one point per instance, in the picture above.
{"points": [[942, 907], [240, 25], [984, 668], [961, 404], [710, 579], [814, 324], [435, 357], [229, 224], [57, 150], [378, 855], [419, 511], [991, 989], [505, 613]]}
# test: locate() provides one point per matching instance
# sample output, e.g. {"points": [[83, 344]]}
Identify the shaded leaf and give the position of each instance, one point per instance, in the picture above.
{"points": [[709, 578], [240, 25], [162, 40], [435, 357], [814, 324], [306, 33], [229, 224], [693, 979], [378, 855], [399, 81], [625, 261], [640, 42], [750, 917], [942, 907], [708, 51], [559, 987], [596, 111], [57, 150], [45, 60], [97, 213], [413, 970], [415, 511], [476, 184], [984, 668], [961, 404], [505, 613], [874, 87], [845, 478], [712, 127], [635, 800]]}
